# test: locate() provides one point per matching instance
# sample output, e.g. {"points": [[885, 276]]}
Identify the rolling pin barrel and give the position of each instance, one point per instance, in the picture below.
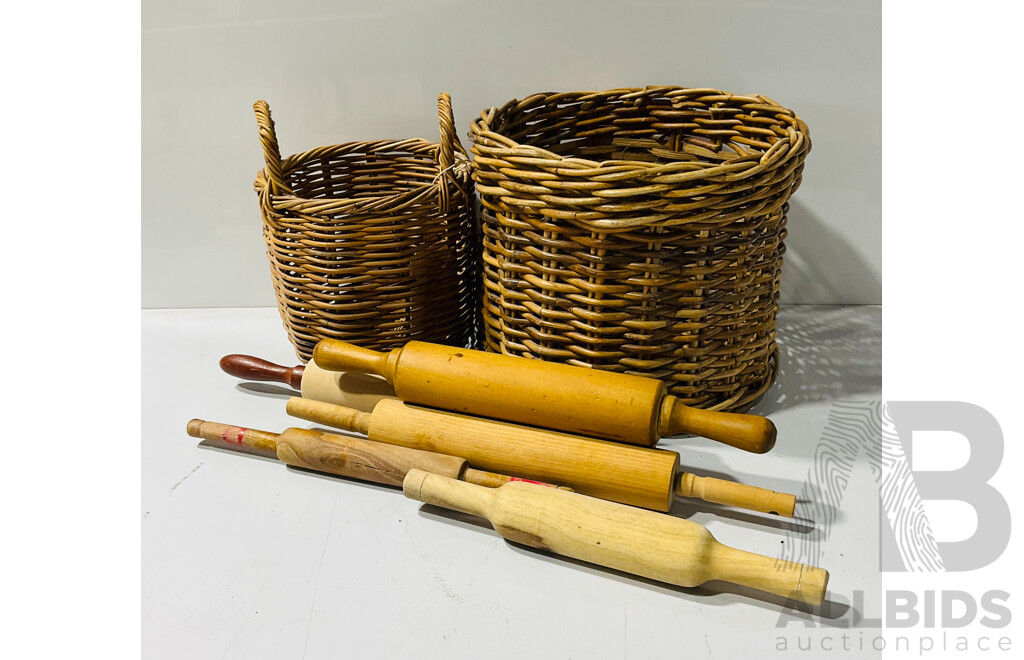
{"points": [[634, 475], [593, 402], [552, 395], [344, 388], [640, 542], [361, 459]]}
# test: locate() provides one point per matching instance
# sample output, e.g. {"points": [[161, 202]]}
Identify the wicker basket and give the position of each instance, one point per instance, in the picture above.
{"points": [[372, 243], [641, 231]]}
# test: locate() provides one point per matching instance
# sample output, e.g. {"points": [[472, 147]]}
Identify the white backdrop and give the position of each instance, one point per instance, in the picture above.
{"points": [[338, 71]]}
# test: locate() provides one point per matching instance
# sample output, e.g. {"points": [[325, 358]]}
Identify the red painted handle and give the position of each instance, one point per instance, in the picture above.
{"points": [[253, 368]]}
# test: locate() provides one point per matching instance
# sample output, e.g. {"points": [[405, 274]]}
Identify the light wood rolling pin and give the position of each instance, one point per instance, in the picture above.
{"points": [[361, 391], [645, 543], [344, 456], [648, 478], [603, 404]]}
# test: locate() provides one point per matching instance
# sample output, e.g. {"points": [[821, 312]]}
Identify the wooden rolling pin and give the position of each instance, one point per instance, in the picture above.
{"points": [[344, 456], [645, 543], [356, 390], [648, 478], [592, 402]]}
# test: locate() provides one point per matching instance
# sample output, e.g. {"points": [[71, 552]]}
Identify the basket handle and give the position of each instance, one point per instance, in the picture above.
{"points": [[271, 152], [446, 151]]}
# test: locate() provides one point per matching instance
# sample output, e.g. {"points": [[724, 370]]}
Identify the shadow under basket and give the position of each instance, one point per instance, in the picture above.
{"points": [[372, 243], [639, 231]]}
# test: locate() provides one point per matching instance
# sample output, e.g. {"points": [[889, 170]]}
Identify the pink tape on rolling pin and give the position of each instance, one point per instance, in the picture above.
{"points": [[239, 433], [531, 481]]}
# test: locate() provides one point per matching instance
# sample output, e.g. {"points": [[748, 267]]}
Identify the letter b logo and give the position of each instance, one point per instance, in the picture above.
{"points": [[967, 484]]}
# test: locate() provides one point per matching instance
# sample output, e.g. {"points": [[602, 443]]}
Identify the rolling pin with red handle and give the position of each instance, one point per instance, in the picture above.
{"points": [[356, 390], [652, 545], [343, 455], [602, 404], [640, 476]]}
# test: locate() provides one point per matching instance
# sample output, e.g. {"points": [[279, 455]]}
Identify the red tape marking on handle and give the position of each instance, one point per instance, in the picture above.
{"points": [[531, 481], [239, 434]]}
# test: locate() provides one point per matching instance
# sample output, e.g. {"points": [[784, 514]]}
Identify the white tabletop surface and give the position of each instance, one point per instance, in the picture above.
{"points": [[246, 558]]}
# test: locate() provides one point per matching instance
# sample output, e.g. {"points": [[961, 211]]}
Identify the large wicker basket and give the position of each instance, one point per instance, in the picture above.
{"points": [[641, 231], [373, 243]]}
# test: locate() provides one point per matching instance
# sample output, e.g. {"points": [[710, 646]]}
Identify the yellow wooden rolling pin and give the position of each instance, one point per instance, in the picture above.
{"points": [[343, 455], [645, 543], [648, 478], [602, 404]]}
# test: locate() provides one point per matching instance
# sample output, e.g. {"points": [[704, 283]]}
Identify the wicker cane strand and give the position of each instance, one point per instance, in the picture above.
{"points": [[640, 231], [371, 242]]}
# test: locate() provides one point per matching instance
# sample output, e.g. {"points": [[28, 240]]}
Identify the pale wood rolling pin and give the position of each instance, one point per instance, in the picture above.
{"points": [[645, 543], [344, 456], [644, 477], [361, 391], [603, 404]]}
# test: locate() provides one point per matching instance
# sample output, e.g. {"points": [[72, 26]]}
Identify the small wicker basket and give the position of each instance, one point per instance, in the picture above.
{"points": [[373, 243], [641, 231]]}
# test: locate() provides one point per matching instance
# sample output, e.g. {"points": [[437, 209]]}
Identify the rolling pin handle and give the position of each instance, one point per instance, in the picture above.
{"points": [[335, 355], [807, 584], [493, 479], [253, 368], [461, 496], [735, 494], [342, 417], [751, 433], [261, 441]]}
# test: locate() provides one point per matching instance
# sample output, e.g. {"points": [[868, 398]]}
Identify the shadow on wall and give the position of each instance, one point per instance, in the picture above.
{"points": [[821, 267], [825, 353]]}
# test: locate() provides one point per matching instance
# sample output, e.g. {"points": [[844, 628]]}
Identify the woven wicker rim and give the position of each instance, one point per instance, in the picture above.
{"points": [[602, 182], [449, 156]]}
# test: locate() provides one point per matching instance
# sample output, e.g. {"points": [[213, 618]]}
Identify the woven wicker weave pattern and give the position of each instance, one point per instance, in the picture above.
{"points": [[372, 243], [640, 230]]}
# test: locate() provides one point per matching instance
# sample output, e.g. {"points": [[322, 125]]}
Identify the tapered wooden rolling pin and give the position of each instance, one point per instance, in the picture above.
{"points": [[592, 402], [648, 478], [645, 543], [343, 455], [361, 391]]}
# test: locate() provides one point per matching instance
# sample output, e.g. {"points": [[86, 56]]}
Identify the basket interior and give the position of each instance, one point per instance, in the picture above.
{"points": [[651, 128], [345, 172]]}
